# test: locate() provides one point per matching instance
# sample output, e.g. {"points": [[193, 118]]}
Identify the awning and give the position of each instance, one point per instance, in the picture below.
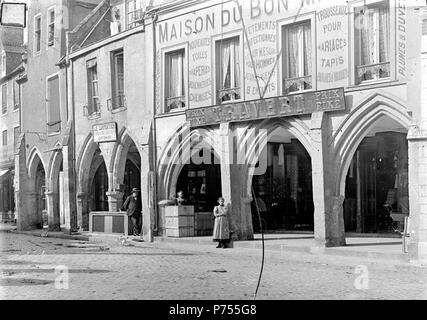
{"points": [[4, 172]]}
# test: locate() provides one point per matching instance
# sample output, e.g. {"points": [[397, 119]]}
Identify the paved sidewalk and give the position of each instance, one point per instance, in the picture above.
{"points": [[375, 248]]}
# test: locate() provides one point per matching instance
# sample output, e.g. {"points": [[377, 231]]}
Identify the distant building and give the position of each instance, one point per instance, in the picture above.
{"points": [[44, 161], [11, 69]]}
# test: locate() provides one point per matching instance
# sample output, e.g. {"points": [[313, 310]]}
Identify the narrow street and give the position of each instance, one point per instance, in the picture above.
{"points": [[30, 265]]}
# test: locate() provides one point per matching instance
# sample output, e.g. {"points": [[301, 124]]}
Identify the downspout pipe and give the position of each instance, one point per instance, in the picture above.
{"points": [[153, 127]]}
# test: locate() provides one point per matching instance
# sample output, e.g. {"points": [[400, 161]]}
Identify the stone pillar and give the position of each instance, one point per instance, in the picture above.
{"points": [[417, 171], [25, 196], [328, 206], [148, 203], [233, 190], [115, 201], [70, 207], [83, 210], [52, 202]]}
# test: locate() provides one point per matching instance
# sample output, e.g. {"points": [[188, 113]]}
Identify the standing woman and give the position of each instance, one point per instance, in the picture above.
{"points": [[221, 232]]}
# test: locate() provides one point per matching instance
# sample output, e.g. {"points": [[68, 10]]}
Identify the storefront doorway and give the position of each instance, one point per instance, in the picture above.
{"points": [[132, 173], [201, 184], [99, 200], [377, 184], [40, 181], [284, 195]]}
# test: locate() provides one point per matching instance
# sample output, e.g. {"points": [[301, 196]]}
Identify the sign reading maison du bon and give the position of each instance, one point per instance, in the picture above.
{"points": [[106, 132], [291, 105]]}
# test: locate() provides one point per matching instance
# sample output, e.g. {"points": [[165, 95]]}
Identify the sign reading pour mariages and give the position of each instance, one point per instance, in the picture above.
{"points": [[291, 105], [106, 132]]}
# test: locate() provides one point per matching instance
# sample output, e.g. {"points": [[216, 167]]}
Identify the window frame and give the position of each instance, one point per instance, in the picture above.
{"points": [[59, 121], [353, 43], [96, 108], [16, 85], [39, 33], [217, 68], [4, 99], [115, 79], [50, 24], [282, 47], [3, 64], [128, 24], [167, 52], [15, 138], [4, 141]]}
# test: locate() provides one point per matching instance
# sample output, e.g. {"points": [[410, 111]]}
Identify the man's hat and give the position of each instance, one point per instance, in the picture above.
{"points": [[135, 190]]}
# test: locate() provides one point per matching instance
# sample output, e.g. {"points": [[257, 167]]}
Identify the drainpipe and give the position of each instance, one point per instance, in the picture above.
{"points": [[69, 68], [153, 127]]}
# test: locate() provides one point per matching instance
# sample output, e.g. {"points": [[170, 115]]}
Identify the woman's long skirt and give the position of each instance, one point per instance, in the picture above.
{"points": [[221, 229]]}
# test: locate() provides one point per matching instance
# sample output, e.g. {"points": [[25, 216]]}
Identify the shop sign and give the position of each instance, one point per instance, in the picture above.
{"points": [[106, 132], [290, 105]]}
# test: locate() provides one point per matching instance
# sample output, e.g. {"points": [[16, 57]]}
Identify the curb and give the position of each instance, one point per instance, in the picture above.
{"points": [[57, 235], [313, 250]]}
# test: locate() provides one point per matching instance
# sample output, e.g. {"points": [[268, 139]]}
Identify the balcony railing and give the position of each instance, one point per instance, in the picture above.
{"points": [[373, 72], [299, 84], [93, 110], [135, 18], [175, 103], [117, 102], [229, 94]]}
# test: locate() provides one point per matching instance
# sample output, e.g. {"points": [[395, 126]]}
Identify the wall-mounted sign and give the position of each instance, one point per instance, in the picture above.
{"points": [[106, 132], [291, 105]]}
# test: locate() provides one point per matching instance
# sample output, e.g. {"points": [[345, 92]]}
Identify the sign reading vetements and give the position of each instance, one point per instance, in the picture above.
{"points": [[291, 105], [106, 132]]}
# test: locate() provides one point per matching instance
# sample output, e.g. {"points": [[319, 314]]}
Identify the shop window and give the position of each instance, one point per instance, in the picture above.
{"points": [[372, 37], [4, 99], [228, 70], [174, 77], [93, 106], [297, 57], [53, 105], [117, 77], [37, 33]]}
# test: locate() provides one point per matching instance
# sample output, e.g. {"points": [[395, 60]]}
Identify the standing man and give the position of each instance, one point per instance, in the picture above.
{"points": [[133, 208]]}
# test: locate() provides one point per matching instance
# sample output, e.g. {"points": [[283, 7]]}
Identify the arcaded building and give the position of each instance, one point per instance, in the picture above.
{"points": [[306, 116], [44, 154], [111, 99], [11, 70], [309, 112]]}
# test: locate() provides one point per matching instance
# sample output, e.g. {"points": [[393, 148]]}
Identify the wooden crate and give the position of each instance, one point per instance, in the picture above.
{"points": [[179, 221]]}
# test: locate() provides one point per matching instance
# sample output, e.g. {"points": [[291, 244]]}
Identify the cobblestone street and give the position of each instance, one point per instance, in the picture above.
{"points": [[173, 271]]}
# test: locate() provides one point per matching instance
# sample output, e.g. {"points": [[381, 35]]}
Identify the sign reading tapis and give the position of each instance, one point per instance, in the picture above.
{"points": [[291, 105], [106, 132]]}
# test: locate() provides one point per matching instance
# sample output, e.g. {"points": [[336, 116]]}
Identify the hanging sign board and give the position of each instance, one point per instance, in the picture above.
{"points": [[106, 132], [290, 105]]}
